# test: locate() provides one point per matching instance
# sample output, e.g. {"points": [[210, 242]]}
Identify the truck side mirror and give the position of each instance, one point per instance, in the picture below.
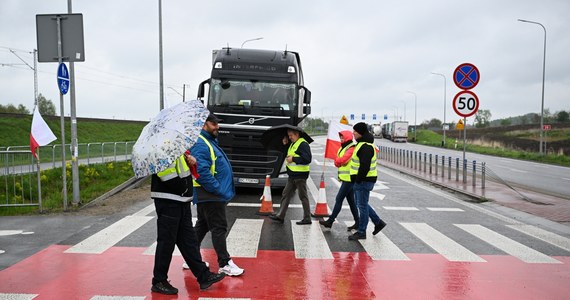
{"points": [[306, 110], [201, 88], [307, 95]]}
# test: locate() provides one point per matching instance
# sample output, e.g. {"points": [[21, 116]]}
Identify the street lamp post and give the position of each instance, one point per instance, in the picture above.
{"points": [[543, 75], [255, 39], [404, 109], [444, 105], [415, 114]]}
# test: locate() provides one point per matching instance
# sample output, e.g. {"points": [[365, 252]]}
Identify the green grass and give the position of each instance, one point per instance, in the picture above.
{"points": [[15, 131], [94, 181], [430, 138]]}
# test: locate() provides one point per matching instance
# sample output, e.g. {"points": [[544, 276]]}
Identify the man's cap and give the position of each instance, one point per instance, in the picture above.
{"points": [[213, 118]]}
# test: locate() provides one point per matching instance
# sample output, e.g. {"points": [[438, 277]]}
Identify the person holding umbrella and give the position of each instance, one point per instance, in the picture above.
{"points": [[363, 173], [297, 161], [161, 151]]}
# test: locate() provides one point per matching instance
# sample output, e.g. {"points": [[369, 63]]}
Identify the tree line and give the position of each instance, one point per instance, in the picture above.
{"points": [[45, 106]]}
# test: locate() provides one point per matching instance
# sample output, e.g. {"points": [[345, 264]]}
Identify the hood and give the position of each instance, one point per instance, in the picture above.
{"points": [[346, 134]]}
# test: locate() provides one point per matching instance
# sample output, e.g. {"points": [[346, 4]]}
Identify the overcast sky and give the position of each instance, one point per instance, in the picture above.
{"points": [[358, 56]]}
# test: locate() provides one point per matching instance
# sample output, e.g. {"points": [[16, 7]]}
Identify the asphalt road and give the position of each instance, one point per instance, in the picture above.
{"points": [[544, 178]]}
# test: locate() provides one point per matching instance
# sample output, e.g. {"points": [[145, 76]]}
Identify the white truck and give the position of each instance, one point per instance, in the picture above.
{"points": [[399, 131], [377, 130]]}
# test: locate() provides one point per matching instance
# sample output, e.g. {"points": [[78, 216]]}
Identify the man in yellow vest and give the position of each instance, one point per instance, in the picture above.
{"points": [[364, 174], [342, 162], [298, 159], [171, 190], [213, 189]]}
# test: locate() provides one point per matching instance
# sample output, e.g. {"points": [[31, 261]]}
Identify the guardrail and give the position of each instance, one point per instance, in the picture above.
{"points": [[437, 165], [19, 179]]}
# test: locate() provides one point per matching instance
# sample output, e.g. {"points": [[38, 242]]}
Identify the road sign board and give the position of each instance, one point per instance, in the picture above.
{"points": [[460, 125], [466, 76], [546, 127], [385, 117], [363, 116], [343, 120], [465, 103], [72, 46], [63, 78], [373, 116]]}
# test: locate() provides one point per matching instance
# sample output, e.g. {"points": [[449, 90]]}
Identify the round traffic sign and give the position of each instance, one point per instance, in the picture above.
{"points": [[466, 76], [465, 103], [63, 78]]}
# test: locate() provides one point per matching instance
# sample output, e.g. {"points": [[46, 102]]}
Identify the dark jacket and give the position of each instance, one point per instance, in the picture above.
{"points": [[365, 154], [172, 189], [219, 187], [305, 158]]}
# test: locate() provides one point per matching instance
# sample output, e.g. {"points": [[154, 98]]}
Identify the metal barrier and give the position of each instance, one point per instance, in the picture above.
{"points": [[413, 160], [19, 179]]}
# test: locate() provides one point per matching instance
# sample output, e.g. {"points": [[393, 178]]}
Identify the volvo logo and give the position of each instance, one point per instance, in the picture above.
{"points": [[251, 120]]}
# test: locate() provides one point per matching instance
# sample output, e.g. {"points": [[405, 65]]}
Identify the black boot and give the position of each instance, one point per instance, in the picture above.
{"points": [[328, 223]]}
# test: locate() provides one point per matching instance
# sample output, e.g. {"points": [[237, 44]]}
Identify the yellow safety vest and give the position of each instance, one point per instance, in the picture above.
{"points": [[344, 171], [178, 168], [212, 156], [292, 152], [355, 161]]}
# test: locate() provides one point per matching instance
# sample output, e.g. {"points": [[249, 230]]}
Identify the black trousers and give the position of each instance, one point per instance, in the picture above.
{"points": [[212, 217], [288, 194], [174, 224]]}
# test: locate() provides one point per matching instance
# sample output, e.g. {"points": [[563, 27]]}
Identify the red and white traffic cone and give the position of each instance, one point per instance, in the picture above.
{"points": [[266, 201], [321, 209]]}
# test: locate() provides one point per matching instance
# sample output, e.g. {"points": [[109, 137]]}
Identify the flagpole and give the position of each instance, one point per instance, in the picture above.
{"points": [[39, 182]]}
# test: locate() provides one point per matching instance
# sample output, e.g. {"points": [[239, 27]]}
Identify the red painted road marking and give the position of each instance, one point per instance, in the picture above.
{"points": [[125, 271]]}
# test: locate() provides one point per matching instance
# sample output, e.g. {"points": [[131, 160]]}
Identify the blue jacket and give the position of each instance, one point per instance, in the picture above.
{"points": [[218, 187]]}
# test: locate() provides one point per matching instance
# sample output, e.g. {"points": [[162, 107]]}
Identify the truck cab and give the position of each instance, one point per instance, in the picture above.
{"points": [[252, 90]]}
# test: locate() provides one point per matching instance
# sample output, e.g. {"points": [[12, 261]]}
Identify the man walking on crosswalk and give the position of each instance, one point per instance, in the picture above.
{"points": [[364, 174]]}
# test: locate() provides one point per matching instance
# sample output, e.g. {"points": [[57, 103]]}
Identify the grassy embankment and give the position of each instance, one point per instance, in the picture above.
{"points": [[430, 138], [94, 180]]}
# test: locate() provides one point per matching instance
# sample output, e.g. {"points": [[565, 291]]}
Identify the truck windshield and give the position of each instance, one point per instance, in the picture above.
{"points": [[252, 95]]}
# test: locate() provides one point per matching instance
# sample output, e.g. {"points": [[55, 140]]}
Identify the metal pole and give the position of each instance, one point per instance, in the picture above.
{"points": [[160, 71], [62, 121], [415, 114], [444, 105], [543, 76], [74, 142]]}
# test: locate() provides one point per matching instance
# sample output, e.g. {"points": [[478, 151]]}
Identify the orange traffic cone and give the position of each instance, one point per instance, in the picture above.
{"points": [[266, 202], [321, 209]]}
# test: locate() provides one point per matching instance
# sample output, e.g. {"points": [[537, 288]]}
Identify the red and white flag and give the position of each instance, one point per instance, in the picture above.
{"points": [[333, 140], [40, 135]]}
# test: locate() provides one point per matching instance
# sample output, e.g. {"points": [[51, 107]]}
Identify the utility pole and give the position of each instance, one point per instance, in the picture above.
{"points": [[74, 143]]}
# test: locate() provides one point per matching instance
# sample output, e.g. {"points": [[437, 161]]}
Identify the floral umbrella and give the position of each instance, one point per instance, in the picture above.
{"points": [[172, 132]]}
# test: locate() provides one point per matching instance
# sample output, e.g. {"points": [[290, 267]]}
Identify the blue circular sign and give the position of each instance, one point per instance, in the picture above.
{"points": [[466, 76], [63, 78]]}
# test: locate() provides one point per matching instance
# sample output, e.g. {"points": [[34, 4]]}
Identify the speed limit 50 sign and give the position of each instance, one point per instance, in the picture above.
{"points": [[465, 103]]}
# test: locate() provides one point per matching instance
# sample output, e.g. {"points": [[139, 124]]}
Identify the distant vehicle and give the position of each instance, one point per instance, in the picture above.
{"points": [[377, 130], [399, 131], [252, 90], [387, 131]]}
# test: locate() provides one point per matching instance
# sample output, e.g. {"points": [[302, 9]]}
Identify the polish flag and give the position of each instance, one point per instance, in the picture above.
{"points": [[41, 135], [333, 140]]}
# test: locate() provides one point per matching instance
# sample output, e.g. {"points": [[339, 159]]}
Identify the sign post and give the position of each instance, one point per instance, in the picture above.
{"points": [[59, 39], [465, 103]]}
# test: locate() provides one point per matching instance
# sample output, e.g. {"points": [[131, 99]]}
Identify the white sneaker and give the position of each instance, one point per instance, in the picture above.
{"points": [[231, 269], [186, 267]]}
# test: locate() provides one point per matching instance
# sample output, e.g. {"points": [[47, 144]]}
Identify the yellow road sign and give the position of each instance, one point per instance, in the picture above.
{"points": [[460, 125], [344, 120]]}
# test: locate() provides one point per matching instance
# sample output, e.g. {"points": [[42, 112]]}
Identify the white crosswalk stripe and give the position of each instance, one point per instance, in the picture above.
{"points": [[379, 247], [507, 245], [108, 237], [243, 238], [549, 237], [117, 298], [310, 241], [17, 296], [441, 243]]}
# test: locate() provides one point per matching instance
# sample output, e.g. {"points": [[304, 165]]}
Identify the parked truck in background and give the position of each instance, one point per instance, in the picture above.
{"points": [[251, 91], [399, 131], [387, 130]]}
